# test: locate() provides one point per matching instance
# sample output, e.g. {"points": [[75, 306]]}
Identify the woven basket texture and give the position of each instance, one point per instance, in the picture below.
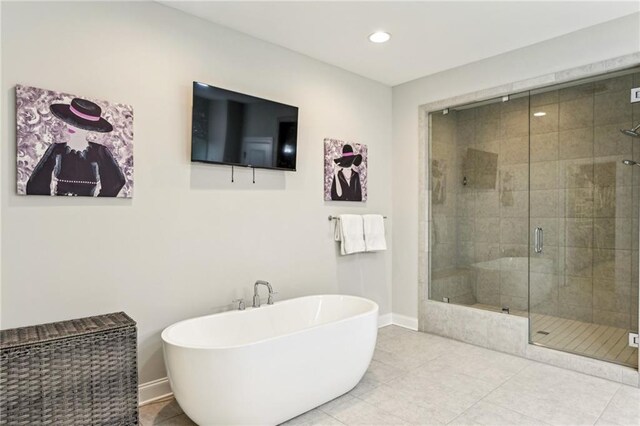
{"points": [[76, 372]]}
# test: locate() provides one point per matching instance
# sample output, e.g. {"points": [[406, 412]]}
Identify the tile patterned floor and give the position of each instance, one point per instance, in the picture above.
{"points": [[422, 379], [594, 340]]}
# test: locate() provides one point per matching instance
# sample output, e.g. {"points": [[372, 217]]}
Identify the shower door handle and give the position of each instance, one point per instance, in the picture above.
{"points": [[538, 240]]}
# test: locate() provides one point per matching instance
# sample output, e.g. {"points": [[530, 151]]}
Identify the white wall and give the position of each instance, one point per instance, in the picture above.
{"points": [[608, 40], [189, 241]]}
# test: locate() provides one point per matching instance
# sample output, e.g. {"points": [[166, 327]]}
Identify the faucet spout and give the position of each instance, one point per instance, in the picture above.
{"points": [[256, 296]]}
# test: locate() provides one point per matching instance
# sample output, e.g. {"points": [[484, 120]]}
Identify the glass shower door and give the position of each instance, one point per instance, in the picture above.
{"points": [[583, 218]]}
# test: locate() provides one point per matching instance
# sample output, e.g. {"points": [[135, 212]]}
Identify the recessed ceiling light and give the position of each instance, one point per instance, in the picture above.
{"points": [[379, 37], [539, 114]]}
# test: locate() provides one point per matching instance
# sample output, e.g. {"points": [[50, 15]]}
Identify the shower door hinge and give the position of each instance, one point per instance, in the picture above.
{"points": [[635, 94], [633, 340]]}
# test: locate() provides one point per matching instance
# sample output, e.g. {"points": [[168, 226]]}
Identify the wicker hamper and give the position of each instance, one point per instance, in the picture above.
{"points": [[77, 372]]}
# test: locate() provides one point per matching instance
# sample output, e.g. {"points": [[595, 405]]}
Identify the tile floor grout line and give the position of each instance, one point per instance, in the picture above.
{"points": [[378, 408], [422, 364], [165, 401], [169, 418], [528, 365], [464, 411], [389, 365], [533, 363], [424, 406], [503, 407], [400, 391], [488, 393], [620, 387], [322, 411], [363, 401]]}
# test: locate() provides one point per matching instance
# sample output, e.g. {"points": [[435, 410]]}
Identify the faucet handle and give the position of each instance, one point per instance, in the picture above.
{"points": [[240, 302], [270, 299]]}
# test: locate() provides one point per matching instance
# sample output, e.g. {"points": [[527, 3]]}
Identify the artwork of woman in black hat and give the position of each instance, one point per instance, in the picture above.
{"points": [[346, 185], [77, 167]]}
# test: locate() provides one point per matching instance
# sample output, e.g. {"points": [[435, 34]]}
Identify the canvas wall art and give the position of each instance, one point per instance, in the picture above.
{"points": [[73, 146], [345, 171]]}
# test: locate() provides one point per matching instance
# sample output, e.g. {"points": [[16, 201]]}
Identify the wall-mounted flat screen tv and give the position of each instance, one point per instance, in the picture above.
{"points": [[241, 130]]}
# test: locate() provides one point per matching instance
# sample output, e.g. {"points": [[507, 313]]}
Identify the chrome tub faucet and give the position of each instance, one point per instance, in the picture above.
{"points": [[256, 296]]}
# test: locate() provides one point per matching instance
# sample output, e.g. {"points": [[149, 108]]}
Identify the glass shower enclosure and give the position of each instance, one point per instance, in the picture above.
{"points": [[534, 206]]}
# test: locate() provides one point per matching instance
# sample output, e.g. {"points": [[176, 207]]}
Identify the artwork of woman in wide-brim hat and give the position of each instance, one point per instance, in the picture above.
{"points": [[346, 181], [78, 167]]}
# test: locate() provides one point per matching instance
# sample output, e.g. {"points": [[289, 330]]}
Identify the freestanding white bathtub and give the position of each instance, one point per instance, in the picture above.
{"points": [[266, 365]]}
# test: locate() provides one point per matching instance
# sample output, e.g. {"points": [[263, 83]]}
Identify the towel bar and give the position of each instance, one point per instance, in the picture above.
{"points": [[337, 218]]}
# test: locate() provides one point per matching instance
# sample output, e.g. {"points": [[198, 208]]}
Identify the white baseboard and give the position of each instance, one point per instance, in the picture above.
{"points": [[399, 320], [153, 391], [405, 321], [384, 320]]}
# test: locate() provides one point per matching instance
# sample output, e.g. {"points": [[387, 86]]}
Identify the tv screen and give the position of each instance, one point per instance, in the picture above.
{"points": [[242, 130]]}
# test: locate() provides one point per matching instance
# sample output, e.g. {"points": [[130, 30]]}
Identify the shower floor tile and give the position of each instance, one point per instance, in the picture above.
{"points": [[458, 384], [579, 337], [583, 338]]}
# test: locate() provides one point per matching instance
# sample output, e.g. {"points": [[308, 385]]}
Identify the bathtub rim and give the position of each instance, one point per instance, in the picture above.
{"points": [[374, 309]]}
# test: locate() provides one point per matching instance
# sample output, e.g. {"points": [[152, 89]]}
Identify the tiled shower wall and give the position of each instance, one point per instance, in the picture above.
{"points": [[586, 200], [581, 194], [483, 153]]}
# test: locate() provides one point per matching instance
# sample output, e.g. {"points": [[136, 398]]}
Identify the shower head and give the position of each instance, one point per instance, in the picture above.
{"points": [[630, 163], [634, 133]]}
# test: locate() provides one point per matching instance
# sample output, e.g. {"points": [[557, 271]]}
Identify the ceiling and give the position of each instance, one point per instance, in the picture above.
{"points": [[428, 37]]}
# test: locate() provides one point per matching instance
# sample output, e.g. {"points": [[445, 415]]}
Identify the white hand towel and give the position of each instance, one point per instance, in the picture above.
{"points": [[374, 232], [350, 232]]}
